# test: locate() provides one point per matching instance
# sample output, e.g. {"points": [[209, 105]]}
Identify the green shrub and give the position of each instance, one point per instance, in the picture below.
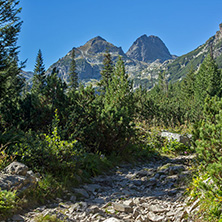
{"points": [[160, 144], [48, 153], [209, 195], [7, 202], [209, 142], [47, 218], [93, 164], [175, 147], [5, 159], [207, 186]]}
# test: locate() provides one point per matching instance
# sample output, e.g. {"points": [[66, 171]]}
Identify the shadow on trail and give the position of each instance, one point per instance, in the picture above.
{"points": [[147, 180]]}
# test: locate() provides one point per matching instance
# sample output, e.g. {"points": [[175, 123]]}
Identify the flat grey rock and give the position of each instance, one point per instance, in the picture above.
{"points": [[112, 219]]}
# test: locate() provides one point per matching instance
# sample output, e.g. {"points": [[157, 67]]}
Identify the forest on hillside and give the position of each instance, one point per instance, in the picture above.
{"points": [[62, 130]]}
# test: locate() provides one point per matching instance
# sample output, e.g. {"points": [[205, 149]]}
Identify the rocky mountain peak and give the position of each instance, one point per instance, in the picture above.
{"points": [[220, 26], [148, 49], [96, 40], [94, 45], [99, 45], [142, 37], [218, 35]]}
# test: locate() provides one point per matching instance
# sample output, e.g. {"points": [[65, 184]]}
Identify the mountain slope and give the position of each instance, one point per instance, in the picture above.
{"points": [[178, 68], [142, 64], [149, 49], [192, 60], [89, 58]]}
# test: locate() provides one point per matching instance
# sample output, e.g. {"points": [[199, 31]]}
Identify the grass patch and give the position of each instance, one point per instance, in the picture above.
{"points": [[47, 218]]}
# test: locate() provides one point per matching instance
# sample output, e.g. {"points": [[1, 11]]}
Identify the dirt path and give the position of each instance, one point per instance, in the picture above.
{"points": [[146, 192]]}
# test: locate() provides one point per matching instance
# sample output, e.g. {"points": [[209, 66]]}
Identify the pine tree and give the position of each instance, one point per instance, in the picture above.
{"points": [[39, 78], [10, 26], [163, 82], [119, 86], [118, 111], [73, 75], [187, 85], [55, 90], [106, 72], [209, 138], [208, 79], [11, 81]]}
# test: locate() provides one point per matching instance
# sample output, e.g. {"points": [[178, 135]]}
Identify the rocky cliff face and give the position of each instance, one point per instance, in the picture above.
{"points": [[144, 60], [148, 49], [89, 58], [176, 68]]}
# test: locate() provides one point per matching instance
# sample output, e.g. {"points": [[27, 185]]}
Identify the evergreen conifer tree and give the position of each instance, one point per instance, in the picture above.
{"points": [[55, 90], [118, 111], [187, 85], [39, 78], [10, 26], [11, 81], [73, 75], [163, 82], [208, 80], [106, 73]]}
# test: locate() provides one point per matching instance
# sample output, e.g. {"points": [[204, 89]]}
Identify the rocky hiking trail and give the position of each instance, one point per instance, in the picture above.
{"points": [[152, 191]]}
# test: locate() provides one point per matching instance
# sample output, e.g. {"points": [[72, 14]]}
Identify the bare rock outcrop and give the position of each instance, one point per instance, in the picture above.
{"points": [[17, 176]]}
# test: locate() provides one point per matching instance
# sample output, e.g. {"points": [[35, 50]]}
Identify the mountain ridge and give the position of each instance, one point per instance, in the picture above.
{"points": [[89, 59], [192, 60], [148, 49]]}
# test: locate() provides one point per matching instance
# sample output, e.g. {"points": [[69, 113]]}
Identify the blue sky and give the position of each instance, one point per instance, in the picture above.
{"points": [[55, 26]]}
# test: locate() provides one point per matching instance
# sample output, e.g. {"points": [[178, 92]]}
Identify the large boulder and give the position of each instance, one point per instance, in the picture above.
{"points": [[16, 168], [185, 139], [17, 176]]}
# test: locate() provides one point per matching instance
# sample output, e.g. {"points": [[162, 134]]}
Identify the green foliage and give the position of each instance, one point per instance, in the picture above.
{"points": [[5, 159], [11, 81], [103, 122], [106, 73], [118, 111], [209, 195], [48, 188], [164, 107], [144, 146], [208, 80], [73, 75], [163, 82], [210, 139], [82, 120], [39, 78], [50, 154], [170, 104], [174, 147], [207, 186], [93, 164], [37, 107], [7, 202], [10, 26], [187, 84], [90, 132], [55, 91], [47, 218]]}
